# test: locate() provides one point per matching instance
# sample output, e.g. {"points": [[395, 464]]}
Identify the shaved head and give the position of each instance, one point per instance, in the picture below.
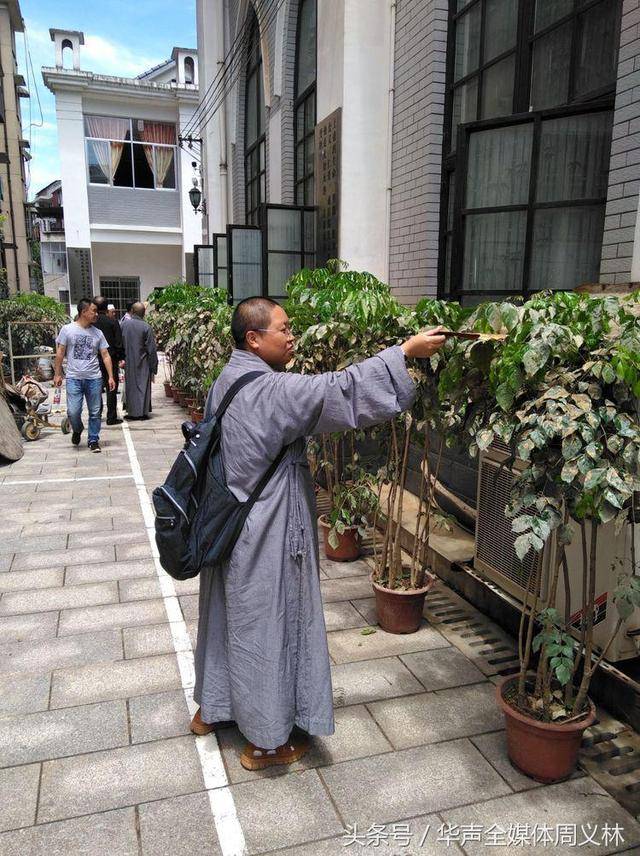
{"points": [[138, 310], [254, 313]]}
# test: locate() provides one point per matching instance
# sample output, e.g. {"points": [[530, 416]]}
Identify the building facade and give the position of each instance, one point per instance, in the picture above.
{"points": [[48, 230], [129, 225], [470, 149], [14, 151]]}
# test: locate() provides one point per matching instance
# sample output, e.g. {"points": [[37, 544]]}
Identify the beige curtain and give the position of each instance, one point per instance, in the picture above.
{"points": [[116, 154], [103, 156], [108, 128], [165, 134]]}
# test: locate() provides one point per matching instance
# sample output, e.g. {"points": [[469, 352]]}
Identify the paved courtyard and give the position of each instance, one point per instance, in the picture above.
{"points": [[96, 670]]}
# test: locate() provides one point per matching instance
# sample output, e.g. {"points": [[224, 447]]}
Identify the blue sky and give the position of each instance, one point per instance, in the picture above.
{"points": [[121, 38]]}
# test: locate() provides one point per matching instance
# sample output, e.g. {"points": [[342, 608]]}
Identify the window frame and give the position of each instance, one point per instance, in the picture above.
{"points": [[454, 161], [131, 142], [300, 103], [252, 214]]}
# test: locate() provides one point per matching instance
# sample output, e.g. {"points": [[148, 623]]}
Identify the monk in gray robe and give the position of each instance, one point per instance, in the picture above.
{"points": [[262, 658], [141, 363]]}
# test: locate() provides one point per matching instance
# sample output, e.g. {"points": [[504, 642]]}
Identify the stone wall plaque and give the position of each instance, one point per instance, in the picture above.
{"points": [[80, 280], [328, 138]]}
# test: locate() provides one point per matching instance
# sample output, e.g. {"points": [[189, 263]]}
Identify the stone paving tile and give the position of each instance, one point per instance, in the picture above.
{"points": [[18, 797], [434, 717], [139, 589], [18, 628], [26, 545], [114, 615], [191, 586], [494, 748], [366, 606], [397, 785], [49, 558], [356, 736], [189, 604], [346, 646], [144, 641], [29, 580], [346, 588], [158, 715], [104, 511], [141, 550], [58, 733], [44, 655], [119, 535], [120, 679], [441, 669], [422, 840], [112, 832], [181, 826], [371, 680], [22, 693], [578, 803], [80, 574], [341, 615], [336, 570], [118, 777], [65, 597], [284, 811], [73, 528]]}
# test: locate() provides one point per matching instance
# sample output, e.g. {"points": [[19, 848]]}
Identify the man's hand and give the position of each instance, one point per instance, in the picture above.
{"points": [[57, 380], [424, 344], [111, 384]]}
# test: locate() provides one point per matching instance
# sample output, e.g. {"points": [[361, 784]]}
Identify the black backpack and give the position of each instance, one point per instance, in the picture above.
{"points": [[198, 519]]}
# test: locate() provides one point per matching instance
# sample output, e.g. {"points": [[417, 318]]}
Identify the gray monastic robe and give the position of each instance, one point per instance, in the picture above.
{"points": [[141, 361], [261, 656]]}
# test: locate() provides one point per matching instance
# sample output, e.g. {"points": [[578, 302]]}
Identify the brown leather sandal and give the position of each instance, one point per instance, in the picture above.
{"points": [[201, 728], [254, 758]]}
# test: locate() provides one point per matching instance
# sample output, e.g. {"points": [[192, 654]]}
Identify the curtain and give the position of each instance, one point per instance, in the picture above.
{"points": [[103, 156], [158, 132], [116, 154]]}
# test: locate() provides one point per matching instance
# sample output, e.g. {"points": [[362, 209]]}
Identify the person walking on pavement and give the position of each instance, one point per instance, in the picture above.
{"points": [[81, 343], [113, 335], [141, 360], [262, 657], [127, 315]]}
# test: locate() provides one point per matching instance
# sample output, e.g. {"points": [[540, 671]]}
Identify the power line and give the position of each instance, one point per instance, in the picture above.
{"points": [[240, 36], [210, 97]]}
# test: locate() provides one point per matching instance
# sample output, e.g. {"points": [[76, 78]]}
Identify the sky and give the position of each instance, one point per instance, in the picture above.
{"points": [[121, 37]]}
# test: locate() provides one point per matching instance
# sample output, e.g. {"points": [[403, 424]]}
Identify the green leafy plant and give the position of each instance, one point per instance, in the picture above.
{"points": [[27, 337], [354, 504]]}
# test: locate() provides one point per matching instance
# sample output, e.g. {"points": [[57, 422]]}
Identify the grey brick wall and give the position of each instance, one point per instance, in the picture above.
{"points": [[128, 207], [420, 68], [624, 170]]}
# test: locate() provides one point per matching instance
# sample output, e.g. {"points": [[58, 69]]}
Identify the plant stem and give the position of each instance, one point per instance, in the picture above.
{"points": [[585, 567], [588, 666], [397, 545], [424, 479]]}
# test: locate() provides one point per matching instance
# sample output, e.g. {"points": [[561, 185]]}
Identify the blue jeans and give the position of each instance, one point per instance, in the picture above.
{"points": [[90, 389]]}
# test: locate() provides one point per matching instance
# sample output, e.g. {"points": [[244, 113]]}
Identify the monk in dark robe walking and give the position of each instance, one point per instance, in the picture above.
{"points": [[141, 361], [262, 658]]}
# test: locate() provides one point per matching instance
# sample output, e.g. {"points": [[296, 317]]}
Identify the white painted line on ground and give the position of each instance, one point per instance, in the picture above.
{"points": [[60, 481], [223, 808]]}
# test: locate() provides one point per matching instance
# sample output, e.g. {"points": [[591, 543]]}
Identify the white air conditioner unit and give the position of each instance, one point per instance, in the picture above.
{"points": [[496, 559]]}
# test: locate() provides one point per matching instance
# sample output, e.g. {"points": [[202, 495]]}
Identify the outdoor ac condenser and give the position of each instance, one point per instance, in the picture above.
{"points": [[496, 559]]}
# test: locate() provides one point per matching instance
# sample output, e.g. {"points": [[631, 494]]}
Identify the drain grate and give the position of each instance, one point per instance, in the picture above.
{"points": [[610, 753], [492, 650]]}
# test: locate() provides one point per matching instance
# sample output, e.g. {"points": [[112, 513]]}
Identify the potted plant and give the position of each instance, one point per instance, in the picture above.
{"points": [[353, 504], [567, 383]]}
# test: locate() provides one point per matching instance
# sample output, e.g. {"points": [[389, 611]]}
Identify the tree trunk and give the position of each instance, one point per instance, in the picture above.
{"points": [[588, 666]]}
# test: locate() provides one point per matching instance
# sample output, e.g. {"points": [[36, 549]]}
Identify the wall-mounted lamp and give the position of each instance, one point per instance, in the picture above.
{"points": [[195, 194]]}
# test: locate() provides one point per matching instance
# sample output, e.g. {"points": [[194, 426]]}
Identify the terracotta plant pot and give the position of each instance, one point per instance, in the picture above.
{"points": [[190, 402], [196, 415], [348, 548], [400, 611], [174, 393], [167, 389], [545, 751]]}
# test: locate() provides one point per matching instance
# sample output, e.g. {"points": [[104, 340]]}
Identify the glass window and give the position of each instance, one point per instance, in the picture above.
{"points": [[467, 56], [574, 158], [306, 46], [465, 107], [143, 166], [305, 104], [99, 161], [566, 247], [497, 89], [494, 251], [164, 167], [550, 11], [121, 165], [597, 49], [551, 63], [146, 131], [284, 229], [499, 166], [254, 144], [500, 28]]}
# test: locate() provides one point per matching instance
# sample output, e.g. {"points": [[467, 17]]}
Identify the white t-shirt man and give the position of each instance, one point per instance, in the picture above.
{"points": [[83, 345]]}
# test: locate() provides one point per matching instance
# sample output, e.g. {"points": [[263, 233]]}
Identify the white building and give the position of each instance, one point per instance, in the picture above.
{"points": [[49, 229], [129, 225]]}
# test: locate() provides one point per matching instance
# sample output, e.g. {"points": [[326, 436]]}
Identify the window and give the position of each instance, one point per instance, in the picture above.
{"points": [[54, 257], [289, 243], [254, 133], [130, 152], [529, 109], [120, 290], [189, 70], [305, 104]]}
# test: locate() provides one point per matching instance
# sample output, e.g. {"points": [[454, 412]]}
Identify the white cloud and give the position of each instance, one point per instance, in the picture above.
{"points": [[105, 57]]}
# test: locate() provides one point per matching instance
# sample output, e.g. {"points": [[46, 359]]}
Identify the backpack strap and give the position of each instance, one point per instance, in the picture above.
{"points": [[234, 389], [255, 493]]}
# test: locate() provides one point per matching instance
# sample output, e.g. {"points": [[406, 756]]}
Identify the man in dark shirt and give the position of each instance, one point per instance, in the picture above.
{"points": [[111, 330]]}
